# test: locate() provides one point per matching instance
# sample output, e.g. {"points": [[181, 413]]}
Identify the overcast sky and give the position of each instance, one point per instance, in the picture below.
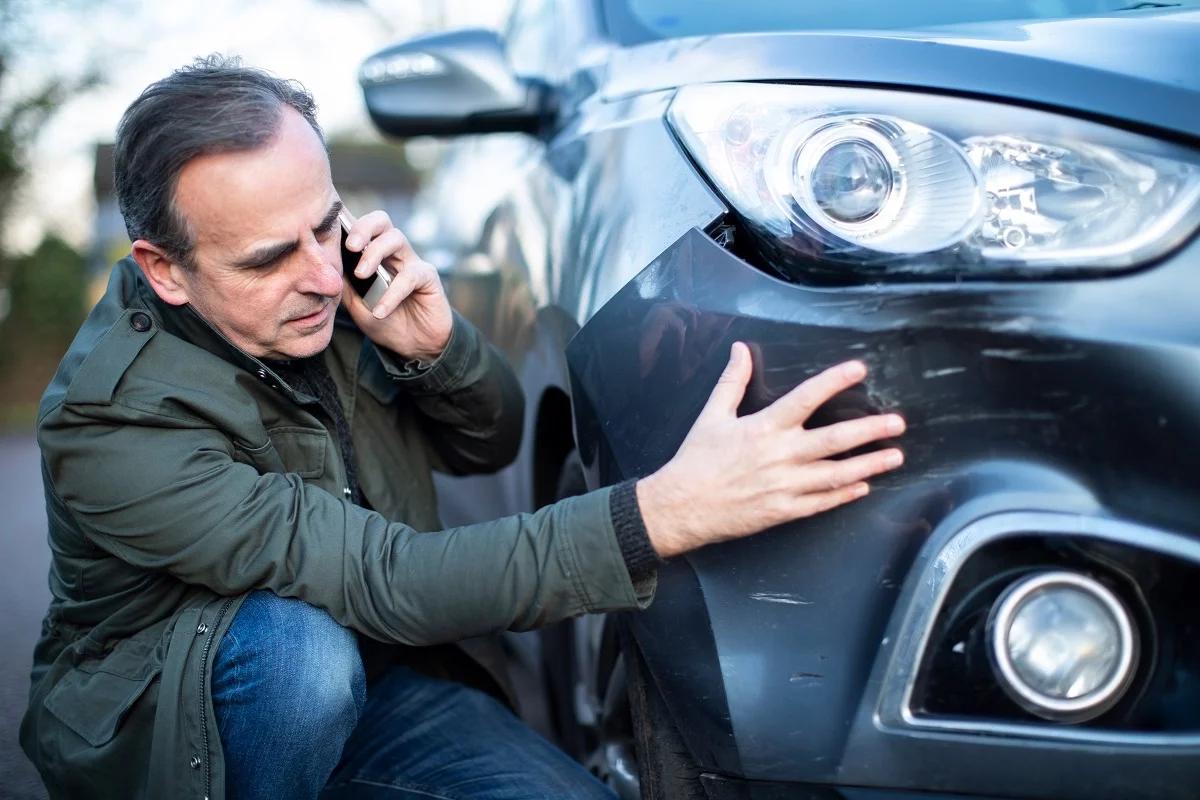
{"points": [[318, 42]]}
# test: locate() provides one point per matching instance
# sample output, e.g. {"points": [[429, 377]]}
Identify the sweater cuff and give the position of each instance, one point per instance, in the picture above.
{"points": [[632, 538]]}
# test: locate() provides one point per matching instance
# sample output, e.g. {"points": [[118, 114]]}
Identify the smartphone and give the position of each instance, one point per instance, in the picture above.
{"points": [[370, 289]]}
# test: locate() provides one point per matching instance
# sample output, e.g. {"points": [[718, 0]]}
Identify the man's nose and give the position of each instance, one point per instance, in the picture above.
{"points": [[320, 275]]}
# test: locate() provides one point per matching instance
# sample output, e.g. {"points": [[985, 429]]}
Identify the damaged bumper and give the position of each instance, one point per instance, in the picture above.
{"points": [[1050, 425]]}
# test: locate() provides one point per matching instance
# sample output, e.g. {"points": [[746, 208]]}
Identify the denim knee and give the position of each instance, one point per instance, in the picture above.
{"points": [[292, 662]]}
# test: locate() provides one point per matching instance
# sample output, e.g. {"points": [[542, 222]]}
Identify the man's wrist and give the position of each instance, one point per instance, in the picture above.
{"points": [[665, 514], [426, 357]]}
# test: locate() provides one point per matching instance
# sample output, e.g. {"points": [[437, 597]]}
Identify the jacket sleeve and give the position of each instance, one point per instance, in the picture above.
{"points": [[470, 399], [163, 494]]}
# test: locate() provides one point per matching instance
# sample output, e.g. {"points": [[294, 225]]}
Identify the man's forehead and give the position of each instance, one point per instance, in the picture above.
{"points": [[260, 194]]}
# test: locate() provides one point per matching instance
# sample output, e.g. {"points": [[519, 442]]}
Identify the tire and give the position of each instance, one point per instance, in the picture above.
{"points": [[558, 647], [666, 770], [630, 742]]}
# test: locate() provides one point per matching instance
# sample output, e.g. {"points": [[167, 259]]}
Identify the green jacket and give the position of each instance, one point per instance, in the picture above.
{"points": [[181, 474]]}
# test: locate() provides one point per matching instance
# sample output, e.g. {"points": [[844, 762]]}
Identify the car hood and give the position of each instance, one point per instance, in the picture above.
{"points": [[1140, 68]]}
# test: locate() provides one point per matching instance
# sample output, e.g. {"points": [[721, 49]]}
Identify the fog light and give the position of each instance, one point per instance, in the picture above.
{"points": [[1062, 645]]}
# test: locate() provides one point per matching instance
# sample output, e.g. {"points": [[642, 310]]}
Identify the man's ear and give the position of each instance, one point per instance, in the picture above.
{"points": [[165, 276]]}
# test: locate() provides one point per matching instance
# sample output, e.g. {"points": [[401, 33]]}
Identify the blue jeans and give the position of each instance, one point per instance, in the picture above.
{"points": [[297, 721]]}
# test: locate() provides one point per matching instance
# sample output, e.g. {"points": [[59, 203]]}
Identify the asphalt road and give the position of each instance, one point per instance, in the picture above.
{"points": [[24, 559]]}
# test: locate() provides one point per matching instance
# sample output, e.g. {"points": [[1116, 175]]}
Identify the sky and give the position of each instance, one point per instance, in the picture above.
{"points": [[321, 43]]}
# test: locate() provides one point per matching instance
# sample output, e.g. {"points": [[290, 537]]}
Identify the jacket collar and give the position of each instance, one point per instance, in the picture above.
{"points": [[186, 323]]}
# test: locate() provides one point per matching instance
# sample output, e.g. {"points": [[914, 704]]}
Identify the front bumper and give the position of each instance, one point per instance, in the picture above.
{"points": [[787, 657]]}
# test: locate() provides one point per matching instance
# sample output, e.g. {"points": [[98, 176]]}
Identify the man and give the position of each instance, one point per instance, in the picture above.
{"points": [[237, 457]]}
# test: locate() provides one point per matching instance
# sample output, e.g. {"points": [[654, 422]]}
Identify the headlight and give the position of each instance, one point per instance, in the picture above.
{"points": [[1062, 645], [935, 185], [878, 183]]}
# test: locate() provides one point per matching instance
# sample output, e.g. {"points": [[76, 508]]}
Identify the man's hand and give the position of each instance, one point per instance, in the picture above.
{"points": [[734, 476], [413, 317]]}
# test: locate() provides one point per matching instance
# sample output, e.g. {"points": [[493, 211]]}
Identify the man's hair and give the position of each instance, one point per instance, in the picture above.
{"points": [[213, 105]]}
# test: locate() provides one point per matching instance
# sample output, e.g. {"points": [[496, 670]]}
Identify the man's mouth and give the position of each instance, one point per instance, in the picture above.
{"points": [[317, 317]]}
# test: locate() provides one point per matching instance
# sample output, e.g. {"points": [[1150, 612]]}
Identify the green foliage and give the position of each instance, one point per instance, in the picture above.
{"points": [[46, 293], [46, 305], [23, 114], [45, 289]]}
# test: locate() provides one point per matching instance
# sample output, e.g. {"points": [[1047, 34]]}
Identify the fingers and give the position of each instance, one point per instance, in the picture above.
{"points": [[818, 443], [799, 404], [731, 386], [400, 289], [414, 278], [812, 504], [390, 244], [380, 243], [823, 476], [366, 228], [377, 239]]}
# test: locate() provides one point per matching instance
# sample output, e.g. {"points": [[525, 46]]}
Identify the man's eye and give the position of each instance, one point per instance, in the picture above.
{"points": [[264, 267]]}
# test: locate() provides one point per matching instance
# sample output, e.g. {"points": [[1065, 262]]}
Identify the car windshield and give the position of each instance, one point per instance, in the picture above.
{"points": [[634, 21]]}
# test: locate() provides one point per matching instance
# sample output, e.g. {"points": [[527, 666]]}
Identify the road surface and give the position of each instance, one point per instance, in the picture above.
{"points": [[24, 559]]}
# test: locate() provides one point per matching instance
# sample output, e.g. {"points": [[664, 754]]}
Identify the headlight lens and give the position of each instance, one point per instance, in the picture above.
{"points": [[850, 180], [936, 185], [1062, 645], [876, 183]]}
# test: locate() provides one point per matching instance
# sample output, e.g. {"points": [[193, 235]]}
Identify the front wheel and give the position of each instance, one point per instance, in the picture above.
{"points": [[665, 768], [636, 747], [607, 711]]}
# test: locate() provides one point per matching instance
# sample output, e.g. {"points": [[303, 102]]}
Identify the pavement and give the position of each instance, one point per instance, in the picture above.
{"points": [[24, 560]]}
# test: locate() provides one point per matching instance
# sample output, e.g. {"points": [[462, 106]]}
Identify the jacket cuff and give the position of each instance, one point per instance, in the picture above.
{"points": [[630, 528], [594, 555], [441, 374]]}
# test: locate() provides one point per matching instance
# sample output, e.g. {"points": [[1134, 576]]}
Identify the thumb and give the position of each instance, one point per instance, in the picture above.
{"points": [[731, 386]]}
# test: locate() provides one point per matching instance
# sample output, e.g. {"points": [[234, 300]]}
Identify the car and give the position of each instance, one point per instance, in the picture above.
{"points": [[994, 205]]}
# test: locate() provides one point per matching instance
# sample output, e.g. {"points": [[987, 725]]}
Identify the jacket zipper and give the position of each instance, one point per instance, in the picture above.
{"points": [[204, 696]]}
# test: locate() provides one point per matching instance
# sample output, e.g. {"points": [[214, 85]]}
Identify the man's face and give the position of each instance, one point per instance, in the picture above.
{"points": [[268, 272]]}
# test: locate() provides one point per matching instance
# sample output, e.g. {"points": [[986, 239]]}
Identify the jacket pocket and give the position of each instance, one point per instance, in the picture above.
{"points": [[287, 449], [94, 702], [302, 450]]}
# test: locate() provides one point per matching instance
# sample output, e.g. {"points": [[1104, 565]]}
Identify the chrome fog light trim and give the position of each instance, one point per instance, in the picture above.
{"points": [[1062, 645]]}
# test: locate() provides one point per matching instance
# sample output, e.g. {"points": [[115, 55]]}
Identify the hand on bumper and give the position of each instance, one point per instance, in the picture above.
{"points": [[734, 476]]}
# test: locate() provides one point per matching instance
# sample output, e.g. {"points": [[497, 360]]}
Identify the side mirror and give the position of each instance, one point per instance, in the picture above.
{"points": [[449, 83]]}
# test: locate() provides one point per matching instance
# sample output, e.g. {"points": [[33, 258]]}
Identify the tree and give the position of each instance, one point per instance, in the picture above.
{"points": [[23, 114], [43, 291], [47, 305]]}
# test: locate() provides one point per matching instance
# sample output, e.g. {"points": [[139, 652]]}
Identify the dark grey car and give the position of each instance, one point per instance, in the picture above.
{"points": [[994, 204]]}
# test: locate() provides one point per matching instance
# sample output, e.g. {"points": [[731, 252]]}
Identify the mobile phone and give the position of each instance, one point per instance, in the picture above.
{"points": [[370, 290]]}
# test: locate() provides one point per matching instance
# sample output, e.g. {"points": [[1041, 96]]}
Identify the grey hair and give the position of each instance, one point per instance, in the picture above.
{"points": [[213, 105]]}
